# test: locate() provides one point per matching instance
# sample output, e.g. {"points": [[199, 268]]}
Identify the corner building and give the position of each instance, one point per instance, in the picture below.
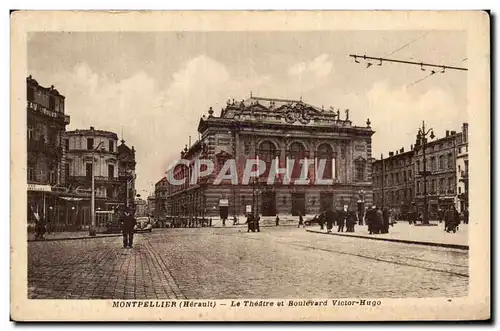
{"points": [[275, 130]]}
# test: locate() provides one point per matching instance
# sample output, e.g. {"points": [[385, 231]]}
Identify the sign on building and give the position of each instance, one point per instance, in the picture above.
{"points": [[41, 188], [223, 202]]}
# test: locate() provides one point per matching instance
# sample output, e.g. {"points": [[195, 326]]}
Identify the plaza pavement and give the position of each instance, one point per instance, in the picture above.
{"points": [[278, 262]]}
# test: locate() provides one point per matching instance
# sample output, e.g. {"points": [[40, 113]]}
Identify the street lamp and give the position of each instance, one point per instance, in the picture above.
{"points": [[422, 137], [383, 179], [92, 229]]}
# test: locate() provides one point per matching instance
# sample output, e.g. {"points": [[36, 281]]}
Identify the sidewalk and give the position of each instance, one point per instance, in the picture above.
{"points": [[71, 236], [402, 232]]}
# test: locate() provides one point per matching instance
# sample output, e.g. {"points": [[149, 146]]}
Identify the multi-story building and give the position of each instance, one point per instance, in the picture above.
{"points": [[463, 170], [275, 131], [446, 175], [141, 208], [126, 171], [161, 193], [87, 150], [151, 205], [441, 157], [393, 180], [46, 121]]}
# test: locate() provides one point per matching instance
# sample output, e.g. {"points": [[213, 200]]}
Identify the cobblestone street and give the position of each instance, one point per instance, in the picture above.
{"points": [[203, 263]]}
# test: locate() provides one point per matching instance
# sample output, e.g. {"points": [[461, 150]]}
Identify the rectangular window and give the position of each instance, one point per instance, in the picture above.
{"points": [[88, 170], [52, 103], [90, 143], [111, 171], [459, 190], [66, 171], [360, 171], [111, 146], [66, 144], [450, 161], [31, 132], [450, 185], [31, 174], [441, 162]]}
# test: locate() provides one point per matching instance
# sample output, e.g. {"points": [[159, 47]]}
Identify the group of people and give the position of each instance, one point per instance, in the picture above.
{"points": [[340, 218], [379, 220], [253, 222]]}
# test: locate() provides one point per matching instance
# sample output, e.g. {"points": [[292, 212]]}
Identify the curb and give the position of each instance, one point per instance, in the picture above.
{"points": [[76, 238], [402, 241], [244, 226]]}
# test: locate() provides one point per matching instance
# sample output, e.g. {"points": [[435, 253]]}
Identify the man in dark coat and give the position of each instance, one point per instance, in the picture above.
{"points": [[128, 224], [301, 220], [330, 219], [385, 221], [341, 216], [466, 216], [321, 220], [379, 219], [371, 215], [350, 221]]}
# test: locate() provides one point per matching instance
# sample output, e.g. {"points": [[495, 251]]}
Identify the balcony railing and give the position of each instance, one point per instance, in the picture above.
{"points": [[96, 178]]}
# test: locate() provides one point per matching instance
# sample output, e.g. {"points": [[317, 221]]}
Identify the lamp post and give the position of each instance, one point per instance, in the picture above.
{"points": [[383, 179], [92, 229], [422, 137]]}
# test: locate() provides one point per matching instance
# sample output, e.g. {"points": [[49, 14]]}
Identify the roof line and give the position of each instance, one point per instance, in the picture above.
{"points": [[274, 99]]}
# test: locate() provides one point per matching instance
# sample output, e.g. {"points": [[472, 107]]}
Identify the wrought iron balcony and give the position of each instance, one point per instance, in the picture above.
{"points": [[88, 179]]}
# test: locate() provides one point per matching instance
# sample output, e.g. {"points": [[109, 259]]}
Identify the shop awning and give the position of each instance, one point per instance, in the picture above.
{"points": [[73, 199]]}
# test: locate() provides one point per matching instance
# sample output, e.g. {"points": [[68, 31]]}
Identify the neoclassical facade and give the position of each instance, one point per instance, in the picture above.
{"points": [[275, 131]]}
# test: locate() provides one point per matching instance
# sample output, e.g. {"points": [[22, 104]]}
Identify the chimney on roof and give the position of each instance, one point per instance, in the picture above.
{"points": [[465, 132], [453, 133], [447, 133], [411, 147], [402, 150], [91, 128], [391, 154], [397, 152]]}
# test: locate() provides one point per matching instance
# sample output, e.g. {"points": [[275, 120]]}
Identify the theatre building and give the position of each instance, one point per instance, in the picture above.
{"points": [[275, 131]]}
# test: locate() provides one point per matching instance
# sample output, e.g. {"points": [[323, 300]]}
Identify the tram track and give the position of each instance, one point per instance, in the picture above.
{"points": [[373, 258]]}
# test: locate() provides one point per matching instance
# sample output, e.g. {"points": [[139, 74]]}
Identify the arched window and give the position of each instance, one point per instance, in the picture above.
{"points": [[297, 152], [325, 155], [267, 153]]}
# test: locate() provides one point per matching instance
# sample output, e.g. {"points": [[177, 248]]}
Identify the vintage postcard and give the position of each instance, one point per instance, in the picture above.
{"points": [[250, 166]]}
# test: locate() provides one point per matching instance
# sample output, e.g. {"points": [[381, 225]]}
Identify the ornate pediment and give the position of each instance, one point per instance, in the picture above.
{"points": [[298, 112]]}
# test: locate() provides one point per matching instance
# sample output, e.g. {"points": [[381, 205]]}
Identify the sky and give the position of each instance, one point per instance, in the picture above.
{"points": [[157, 85]]}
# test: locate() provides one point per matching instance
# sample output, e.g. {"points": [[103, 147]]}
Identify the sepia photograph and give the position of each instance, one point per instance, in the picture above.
{"points": [[201, 169]]}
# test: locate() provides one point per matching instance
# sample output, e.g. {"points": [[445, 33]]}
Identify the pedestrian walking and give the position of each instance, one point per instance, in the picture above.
{"points": [[128, 224], [277, 220], [379, 221], [385, 221], [466, 216], [330, 219], [301, 221], [250, 223], [350, 221], [341, 216], [321, 220]]}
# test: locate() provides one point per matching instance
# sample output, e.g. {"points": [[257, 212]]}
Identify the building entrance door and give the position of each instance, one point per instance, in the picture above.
{"points": [[268, 207], [298, 203]]}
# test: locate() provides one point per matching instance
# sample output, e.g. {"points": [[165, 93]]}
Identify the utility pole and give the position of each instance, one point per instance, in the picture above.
{"points": [[422, 136], [383, 180]]}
